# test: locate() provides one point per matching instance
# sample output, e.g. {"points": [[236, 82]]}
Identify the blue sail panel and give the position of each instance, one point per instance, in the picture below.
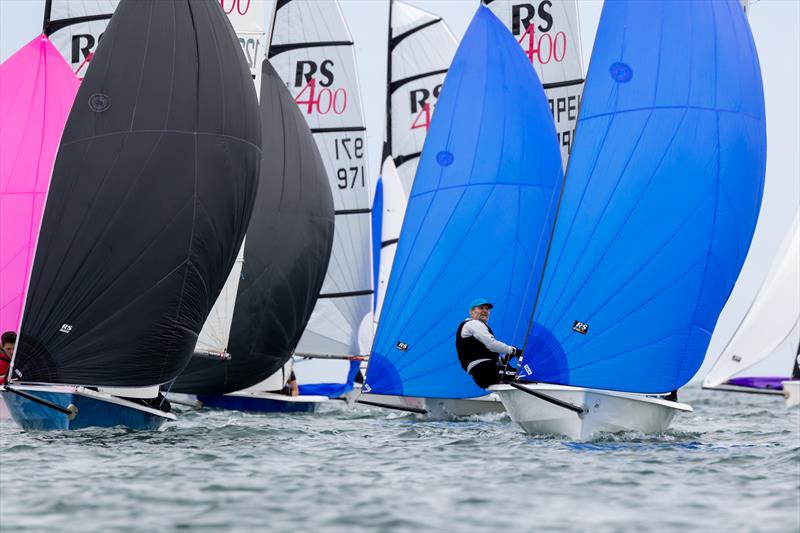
{"points": [[377, 229], [660, 200], [478, 220]]}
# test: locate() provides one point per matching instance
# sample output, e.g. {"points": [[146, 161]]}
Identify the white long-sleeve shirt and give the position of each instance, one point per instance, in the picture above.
{"points": [[477, 328]]}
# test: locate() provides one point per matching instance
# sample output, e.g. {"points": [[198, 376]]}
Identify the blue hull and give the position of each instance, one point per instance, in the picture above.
{"points": [[32, 416], [256, 405]]}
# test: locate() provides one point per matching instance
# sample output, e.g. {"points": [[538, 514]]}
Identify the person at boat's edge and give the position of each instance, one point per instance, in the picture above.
{"points": [[9, 339], [482, 356]]}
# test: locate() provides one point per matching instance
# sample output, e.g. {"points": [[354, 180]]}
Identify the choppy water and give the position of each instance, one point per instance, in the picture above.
{"points": [[734, 465]]}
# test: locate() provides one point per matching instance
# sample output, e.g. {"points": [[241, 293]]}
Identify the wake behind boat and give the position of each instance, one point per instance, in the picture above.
{"points": [[115, 299]]}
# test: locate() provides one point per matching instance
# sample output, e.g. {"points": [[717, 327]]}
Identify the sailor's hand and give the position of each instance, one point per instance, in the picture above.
{"points": [[517, 353]]}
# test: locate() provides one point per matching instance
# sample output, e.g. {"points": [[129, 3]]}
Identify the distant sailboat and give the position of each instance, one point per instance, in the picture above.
{"points": [[116, 299], [770, 329], [281, 277], [420, 50], [656, 218], [478, 218], [549, 34], [313, 53]]}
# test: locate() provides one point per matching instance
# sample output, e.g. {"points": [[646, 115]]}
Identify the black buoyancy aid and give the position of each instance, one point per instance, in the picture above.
{"points": [[471, 349]]}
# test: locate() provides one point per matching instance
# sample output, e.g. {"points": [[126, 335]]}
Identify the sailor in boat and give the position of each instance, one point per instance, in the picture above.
{"points": [[9, 339], [482, 356], [291, 388]]}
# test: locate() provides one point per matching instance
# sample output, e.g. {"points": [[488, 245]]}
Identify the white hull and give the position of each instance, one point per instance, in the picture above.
{"points": [[791, 391], [439, 408], [447, 408], [604, 411]]}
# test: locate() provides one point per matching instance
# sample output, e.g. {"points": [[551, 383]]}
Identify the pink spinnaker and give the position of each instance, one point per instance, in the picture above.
{"points": [[37, 89]]}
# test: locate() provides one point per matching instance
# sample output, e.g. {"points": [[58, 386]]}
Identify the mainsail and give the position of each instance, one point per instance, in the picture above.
{"points": [[248, 20], [773, 319], [312, 51], [151, 192], [36, 93], [478, 218], [660, 201], [75, 28], [286, 252], [420, 50], [549, 34]]}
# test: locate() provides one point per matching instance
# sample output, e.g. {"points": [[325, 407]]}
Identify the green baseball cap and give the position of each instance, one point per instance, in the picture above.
{"points": [[480, 301]]}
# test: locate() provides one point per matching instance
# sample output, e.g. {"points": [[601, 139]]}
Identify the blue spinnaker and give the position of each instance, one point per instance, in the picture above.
{"points": [[332, 390], [377, 229], [660, 199], [478, 220]]}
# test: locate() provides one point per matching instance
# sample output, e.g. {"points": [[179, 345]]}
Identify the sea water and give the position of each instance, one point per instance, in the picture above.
{"points": [[732, 465]]}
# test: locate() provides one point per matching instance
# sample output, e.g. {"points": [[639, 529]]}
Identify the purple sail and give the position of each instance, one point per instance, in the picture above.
{"points": [[759, 382]]}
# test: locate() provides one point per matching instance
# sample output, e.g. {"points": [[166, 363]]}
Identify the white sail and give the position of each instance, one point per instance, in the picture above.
{"points": [[549, 34], [217, 327], [312, 51], [77, 41], [249, 21], [394, 208], [773, 318], [420, 50]]}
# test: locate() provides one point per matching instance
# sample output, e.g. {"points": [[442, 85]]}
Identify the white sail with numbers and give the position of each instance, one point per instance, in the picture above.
{"points": [[312, 51], [549, 34], [419, 52]]}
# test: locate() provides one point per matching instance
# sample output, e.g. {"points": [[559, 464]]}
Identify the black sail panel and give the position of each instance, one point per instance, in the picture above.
{"points": [[151, 193], [286, 253]]}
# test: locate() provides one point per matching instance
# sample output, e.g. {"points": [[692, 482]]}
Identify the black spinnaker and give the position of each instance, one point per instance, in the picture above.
{"points": [[151, 193], [286, 254]]}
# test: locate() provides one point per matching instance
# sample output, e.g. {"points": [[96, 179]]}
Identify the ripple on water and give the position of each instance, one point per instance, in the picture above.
{"points": [[733, 464]]}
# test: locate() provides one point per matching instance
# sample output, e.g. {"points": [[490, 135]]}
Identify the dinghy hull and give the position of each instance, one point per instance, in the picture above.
{"points": [[265, 402], [438, 408], [791, 392], [604, 411], [93, 410]]}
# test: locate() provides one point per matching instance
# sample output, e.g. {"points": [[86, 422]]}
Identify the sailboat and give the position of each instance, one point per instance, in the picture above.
{"points": [[549, 34], [478, 217], [420, 49], [36, 93], [770, 330], [115, 300], [655, 220], [316, 61], [280, 278]]}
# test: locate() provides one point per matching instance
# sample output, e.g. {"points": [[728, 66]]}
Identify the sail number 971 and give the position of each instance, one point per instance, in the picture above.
{"points": [[350, 149]]}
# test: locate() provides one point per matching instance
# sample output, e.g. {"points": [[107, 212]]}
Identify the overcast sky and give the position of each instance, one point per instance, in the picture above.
{"points": [[775, 25]]}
